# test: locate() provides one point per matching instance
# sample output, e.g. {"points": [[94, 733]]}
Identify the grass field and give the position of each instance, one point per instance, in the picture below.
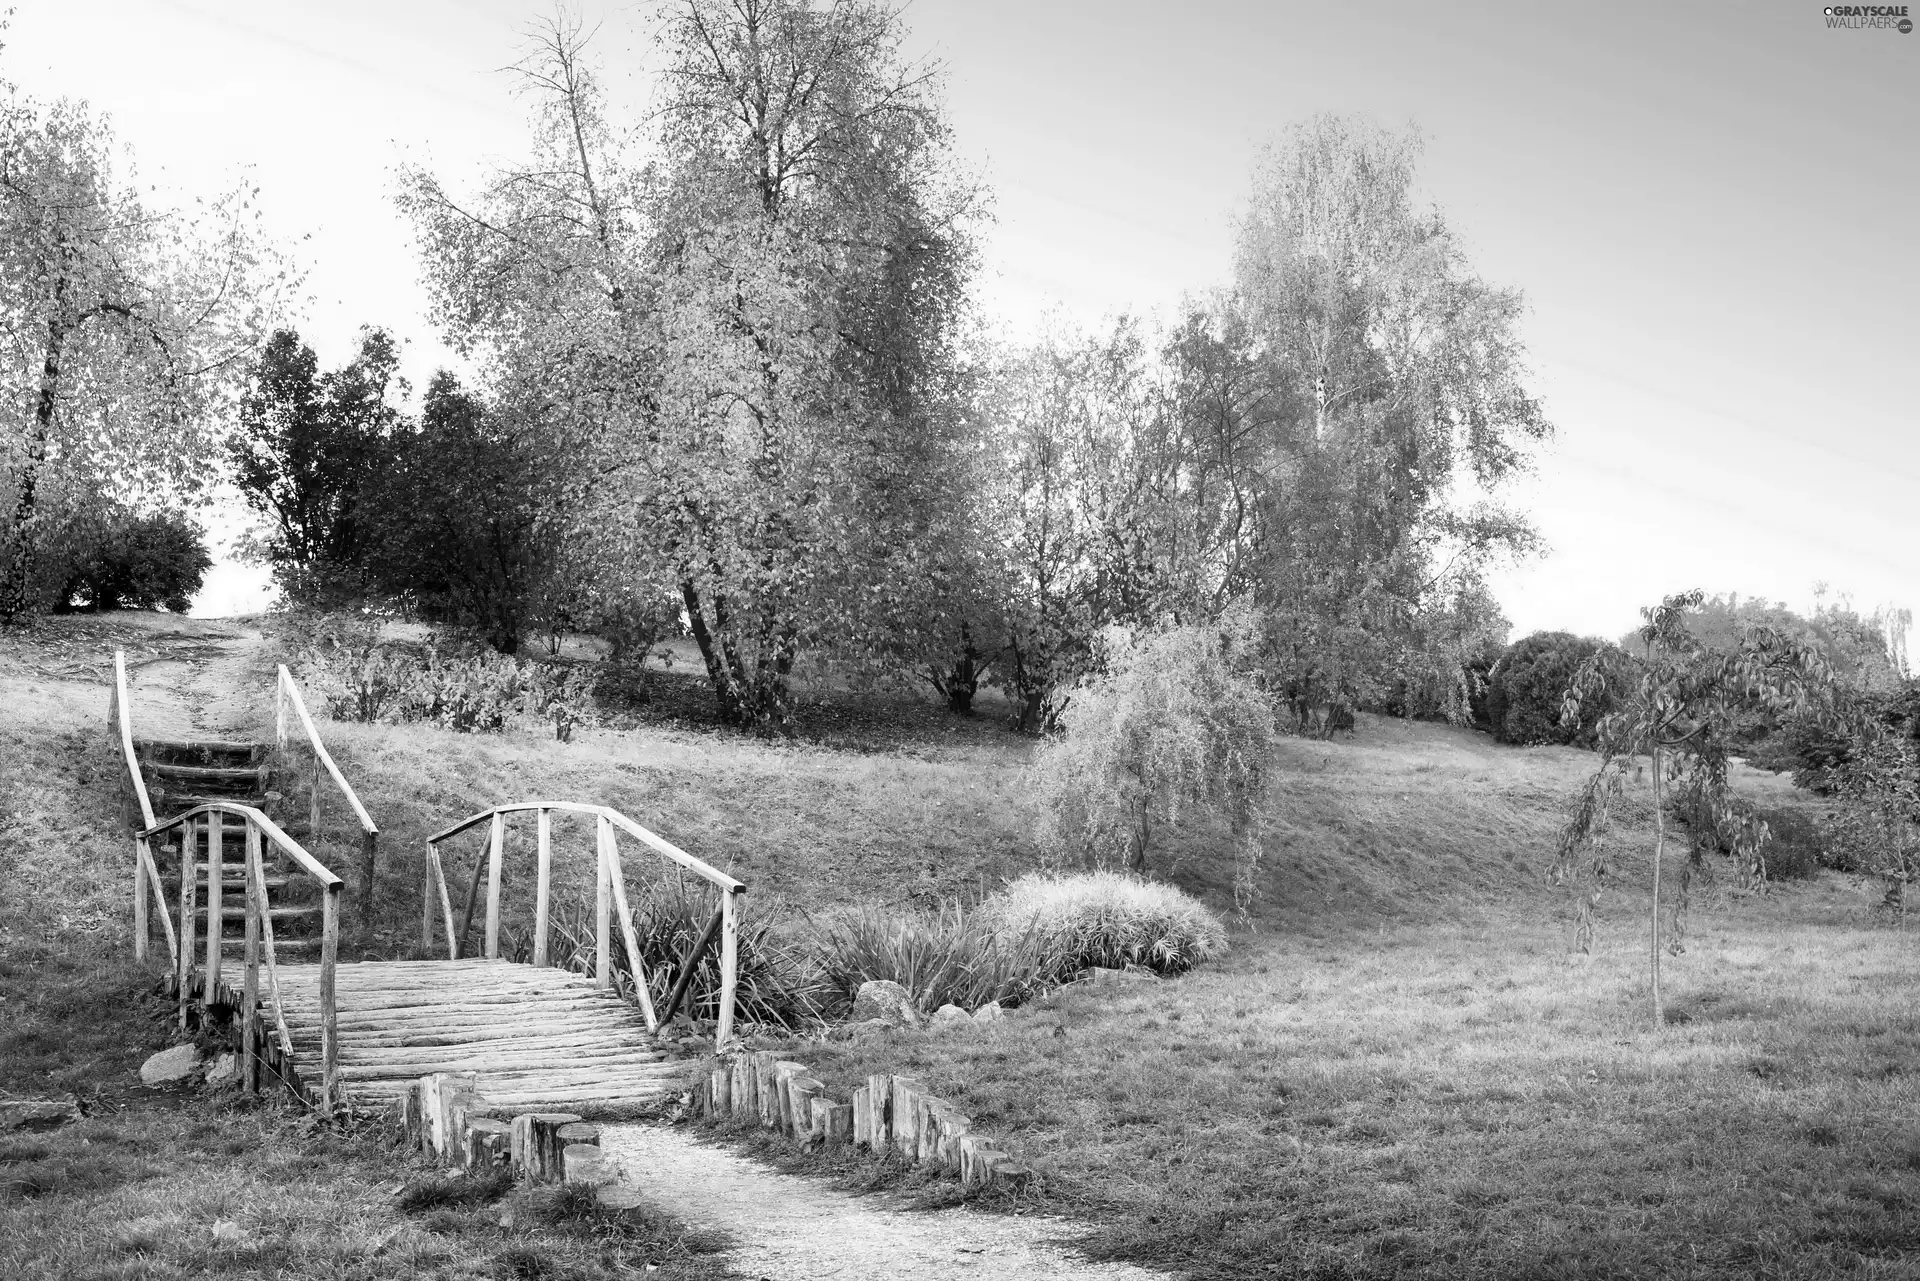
{"points": [[1402, 1070]]}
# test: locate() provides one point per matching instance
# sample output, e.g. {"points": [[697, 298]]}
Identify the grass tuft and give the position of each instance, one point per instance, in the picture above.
{"points": [[1106, 919]]}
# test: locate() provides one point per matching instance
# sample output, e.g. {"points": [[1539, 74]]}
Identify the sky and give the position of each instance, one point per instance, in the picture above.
{"points": [[1708, 206]]}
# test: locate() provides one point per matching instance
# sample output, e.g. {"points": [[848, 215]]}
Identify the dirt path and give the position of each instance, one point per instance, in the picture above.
{"points": [[799, 1229]]}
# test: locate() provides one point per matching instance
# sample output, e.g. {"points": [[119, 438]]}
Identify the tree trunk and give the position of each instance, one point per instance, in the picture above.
{"points": [[717, 674], [16, 587], [1659, 849]]}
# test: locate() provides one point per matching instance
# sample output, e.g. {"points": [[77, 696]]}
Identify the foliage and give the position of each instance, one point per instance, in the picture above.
{"points": [[362, 677], [123, 329], [1527, 688], [780, 982], [1173, 722], [1106, 919], [308, 444], [1876, 780], [137, 562], [1683, 711], [748, 341], [942, 958]]}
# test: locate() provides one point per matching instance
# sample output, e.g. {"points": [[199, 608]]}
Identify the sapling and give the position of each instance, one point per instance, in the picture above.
{"points": [[1682, 711]]}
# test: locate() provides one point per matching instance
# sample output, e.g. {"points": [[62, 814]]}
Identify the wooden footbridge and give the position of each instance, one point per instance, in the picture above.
{"points": [[358, 1035]]}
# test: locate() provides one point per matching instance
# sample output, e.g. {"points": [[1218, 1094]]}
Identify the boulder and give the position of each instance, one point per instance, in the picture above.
{"points": [[168, 1066], [862, 1030], [885, 999], [950, 1015], [37, 1114], [225, 1071], [989, 1013]]}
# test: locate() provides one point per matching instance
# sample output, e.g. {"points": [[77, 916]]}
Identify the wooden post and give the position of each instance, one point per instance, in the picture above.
{"points": [[742, 1090], [636, 968], [329, 1017], [426, 903], [773, 1094], [496, 852], [862, 1136], [729, 966], [188, 872], [685, 980], [141, 929], [486, 1148], [313, 811], [439, 871], [537, 1148], [602, 911], [544, 886], [250, 990], [473, 896], [802, 1090], [280, 708], [880, 1104], [216, 874], [946, 1149], [905, 1116], [720, 1092], [833, 1122], [369, 845]]}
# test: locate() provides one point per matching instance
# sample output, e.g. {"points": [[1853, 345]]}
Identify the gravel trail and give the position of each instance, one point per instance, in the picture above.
{"points": [[791, 1228]]}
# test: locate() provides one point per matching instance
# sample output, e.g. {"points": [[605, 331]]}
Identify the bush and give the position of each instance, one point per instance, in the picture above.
{"points": [[1526, 687], [942, 958], [1793, 848], [1102, 918], [362, 677], [1175, 720], [137, 562]]}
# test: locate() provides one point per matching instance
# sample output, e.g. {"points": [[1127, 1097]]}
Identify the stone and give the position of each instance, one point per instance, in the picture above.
{"points": [[168, 1066], [37, 1114], [989, 1013], [884, 999], [949, 1015], [224, 1072]]}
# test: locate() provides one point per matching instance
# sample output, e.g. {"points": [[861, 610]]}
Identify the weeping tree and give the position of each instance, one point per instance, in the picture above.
{"points": [[1684, 706]]}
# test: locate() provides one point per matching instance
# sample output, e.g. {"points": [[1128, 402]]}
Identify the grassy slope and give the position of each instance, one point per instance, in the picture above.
{"points": [[1400, 1072]]}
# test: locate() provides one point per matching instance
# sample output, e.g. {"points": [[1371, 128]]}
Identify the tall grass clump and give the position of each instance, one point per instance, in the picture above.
{"points": [[1105, 918], [942, 958], [780, 981], [1174, 721]]}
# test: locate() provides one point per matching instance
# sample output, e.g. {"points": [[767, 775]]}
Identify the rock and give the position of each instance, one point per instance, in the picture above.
{"points": [[1099, 974], [37, 1114], [859, 1031], [989, 1013], [224, 1072], [168, 1066], [949, 1015], [887, 1000]]}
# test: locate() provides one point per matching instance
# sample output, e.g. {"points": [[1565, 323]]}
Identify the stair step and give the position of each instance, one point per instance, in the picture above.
{"points": [[204, 753], [254, 774], [239, 913]]}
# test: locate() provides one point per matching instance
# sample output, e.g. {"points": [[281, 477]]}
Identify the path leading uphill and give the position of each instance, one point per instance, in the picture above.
{"points": [[789, 1228]]}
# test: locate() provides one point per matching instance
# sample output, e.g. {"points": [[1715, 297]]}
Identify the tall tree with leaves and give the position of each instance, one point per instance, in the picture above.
{"points": [[124, 331], [307, 447], [1683, 712]]}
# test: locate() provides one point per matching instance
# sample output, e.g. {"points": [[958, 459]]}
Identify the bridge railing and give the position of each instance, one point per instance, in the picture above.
{"points": [[610, 900], [286, 694], [259, 947], [146, 875]]}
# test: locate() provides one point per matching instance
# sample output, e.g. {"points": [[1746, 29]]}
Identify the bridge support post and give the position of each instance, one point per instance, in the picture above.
{"points": [[188, 858], [141, 929], [729, 965], [250, 989], [602, 911], [216, 875]]}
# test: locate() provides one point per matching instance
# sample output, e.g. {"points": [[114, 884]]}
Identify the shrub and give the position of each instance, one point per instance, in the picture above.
{"points": [[1103, 918], [1175, 720], [1526, 688], [137, 562], [1793, 846]]}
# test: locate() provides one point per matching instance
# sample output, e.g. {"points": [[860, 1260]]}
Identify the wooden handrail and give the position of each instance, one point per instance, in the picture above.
{"points": [[610, 896], [308, 863], [146, 874], [289, 689], [126, 736]]}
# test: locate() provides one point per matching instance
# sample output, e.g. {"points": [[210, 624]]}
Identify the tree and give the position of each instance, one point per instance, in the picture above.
{"points": [[1391, 403], [747, 346], [137, 562], [123, 332], [1683, 712], [307, 447]]}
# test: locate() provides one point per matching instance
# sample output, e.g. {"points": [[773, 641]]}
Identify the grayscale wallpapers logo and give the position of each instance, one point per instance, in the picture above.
{"points": [[1882, 17]]}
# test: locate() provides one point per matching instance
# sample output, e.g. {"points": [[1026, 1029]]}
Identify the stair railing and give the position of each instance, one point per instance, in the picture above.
{"points": [[211, 818], [146, 875], [287, 692], [610, 901]]}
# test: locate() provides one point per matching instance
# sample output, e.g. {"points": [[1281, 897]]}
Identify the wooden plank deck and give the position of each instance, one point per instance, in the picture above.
{"points": [[537, 1037]]}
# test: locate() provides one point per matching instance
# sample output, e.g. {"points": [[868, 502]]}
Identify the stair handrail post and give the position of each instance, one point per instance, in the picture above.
{"points": [[729, 966], [543, 838], [142, 929], [329, 1015], [602, 905], [216, 874], [187, 913], [119, 716], [287, 692], [281, 677], [496, 855], [426, 901], [250, 990]]}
